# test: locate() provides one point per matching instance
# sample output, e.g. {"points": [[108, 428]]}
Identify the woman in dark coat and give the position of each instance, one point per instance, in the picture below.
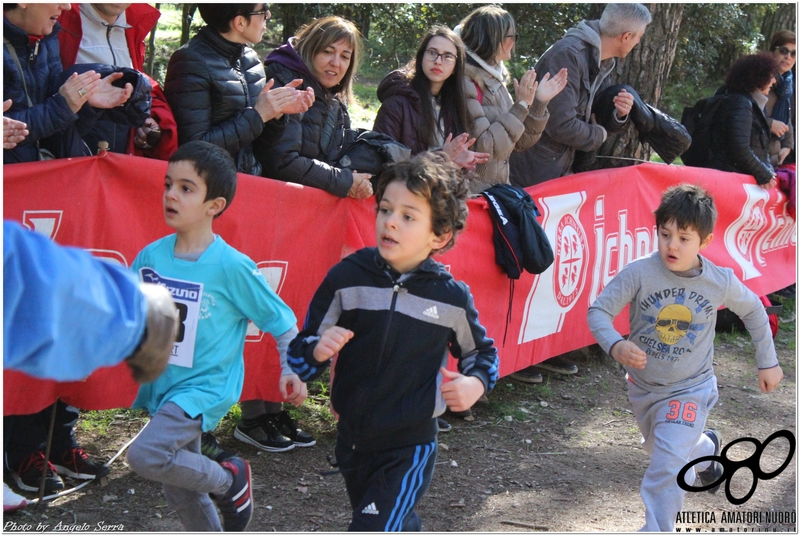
{"points": [[423, 104], [324, 53], [53, 109], [217, 89], [739, 139], [782, 97]]}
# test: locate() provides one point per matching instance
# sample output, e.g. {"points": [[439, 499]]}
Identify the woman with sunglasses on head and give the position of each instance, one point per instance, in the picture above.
{"points": [[217, 88], [325, 54], [782, 98], [423, 104], [500, 124]]}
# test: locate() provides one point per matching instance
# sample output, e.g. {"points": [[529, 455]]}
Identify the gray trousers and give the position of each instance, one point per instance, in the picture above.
{"points": [[168, 451], [671, 425]]}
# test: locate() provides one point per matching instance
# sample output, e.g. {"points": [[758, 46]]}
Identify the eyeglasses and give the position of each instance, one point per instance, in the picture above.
{"points": [[680, 324], [515, 37], [785, 51], [262, 12], [433, 55]]}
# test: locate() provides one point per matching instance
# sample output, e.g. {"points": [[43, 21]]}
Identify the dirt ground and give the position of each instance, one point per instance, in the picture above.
{"points": [[561, 456]]}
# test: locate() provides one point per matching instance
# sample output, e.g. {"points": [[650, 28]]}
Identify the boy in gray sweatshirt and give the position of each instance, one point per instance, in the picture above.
{"points": [[674, 294]]}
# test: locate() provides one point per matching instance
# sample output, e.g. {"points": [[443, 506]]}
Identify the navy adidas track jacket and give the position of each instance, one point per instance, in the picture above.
{"points": [[387, 378]]}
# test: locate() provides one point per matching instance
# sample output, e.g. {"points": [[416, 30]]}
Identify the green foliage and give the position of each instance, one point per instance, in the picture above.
{"points": [[711, 37]]}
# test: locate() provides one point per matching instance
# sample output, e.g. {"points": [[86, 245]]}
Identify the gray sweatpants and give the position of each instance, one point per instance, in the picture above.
{"points": [[168, 450], [671, 425]]}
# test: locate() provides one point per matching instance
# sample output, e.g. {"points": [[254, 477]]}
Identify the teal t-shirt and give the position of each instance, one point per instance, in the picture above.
{"points": [[215, 297]]}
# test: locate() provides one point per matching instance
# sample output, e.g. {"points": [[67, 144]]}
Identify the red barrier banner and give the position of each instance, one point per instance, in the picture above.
{"points": [[597, 222]]}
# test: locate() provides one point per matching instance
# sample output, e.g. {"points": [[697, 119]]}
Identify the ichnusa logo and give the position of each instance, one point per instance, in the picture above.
{"points": [[731, 467]]}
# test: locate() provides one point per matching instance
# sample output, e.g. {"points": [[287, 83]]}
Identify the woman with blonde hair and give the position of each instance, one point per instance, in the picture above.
{"points": [[500, 124], [325, 54]]}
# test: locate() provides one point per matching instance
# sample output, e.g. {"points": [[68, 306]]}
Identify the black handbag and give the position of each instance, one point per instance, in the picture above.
{"points": [[361, 150], [367, 151]]}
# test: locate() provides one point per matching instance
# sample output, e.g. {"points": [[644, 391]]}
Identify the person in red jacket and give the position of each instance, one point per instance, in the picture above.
{"points": [[114, 34]]}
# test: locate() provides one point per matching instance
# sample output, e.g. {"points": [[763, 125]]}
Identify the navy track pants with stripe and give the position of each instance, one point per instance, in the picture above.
{"points": [[385, 486]]}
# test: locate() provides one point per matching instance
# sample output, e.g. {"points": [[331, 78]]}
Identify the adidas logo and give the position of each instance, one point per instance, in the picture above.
{"points": [[431, 312], [370, 509]]}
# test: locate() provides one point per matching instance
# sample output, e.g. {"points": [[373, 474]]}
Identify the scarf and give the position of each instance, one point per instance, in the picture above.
{"points": [[783, 89]]}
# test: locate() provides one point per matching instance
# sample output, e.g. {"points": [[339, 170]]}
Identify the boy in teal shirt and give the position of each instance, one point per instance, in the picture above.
{"points": [[216, 290]]}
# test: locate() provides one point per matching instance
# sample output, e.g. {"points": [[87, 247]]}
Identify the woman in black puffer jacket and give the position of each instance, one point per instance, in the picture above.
{"points": [[217, 88], [739, 140], [324, 53]]}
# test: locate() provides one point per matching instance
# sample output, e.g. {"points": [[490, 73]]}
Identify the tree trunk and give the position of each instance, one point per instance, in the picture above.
{"points": [[646, 69], [185, 22], [294, 16], [782, 18], [151, 48]]}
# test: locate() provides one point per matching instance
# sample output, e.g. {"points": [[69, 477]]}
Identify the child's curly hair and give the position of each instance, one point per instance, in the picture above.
{"points": [[432, 176]]}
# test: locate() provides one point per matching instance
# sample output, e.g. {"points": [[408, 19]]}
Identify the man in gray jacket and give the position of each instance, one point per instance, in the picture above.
{"points": [[589, 52]]}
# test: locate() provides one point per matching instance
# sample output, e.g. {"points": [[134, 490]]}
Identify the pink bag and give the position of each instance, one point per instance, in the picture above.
{"points": [[786, 176]]}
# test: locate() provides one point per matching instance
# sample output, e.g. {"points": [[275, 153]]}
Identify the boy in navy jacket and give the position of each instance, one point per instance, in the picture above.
{"points": [[391, 316]]}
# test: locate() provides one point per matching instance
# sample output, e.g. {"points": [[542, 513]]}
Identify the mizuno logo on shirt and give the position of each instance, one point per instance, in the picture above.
{"points": [[431, 312], [370, 509]]}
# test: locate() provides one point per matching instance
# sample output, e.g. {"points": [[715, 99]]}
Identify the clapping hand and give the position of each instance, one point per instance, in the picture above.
{"points": [[458, 151], [13, 131], [273, 103], [549, 87], [107, 95], [78, 88], [526, 88]]}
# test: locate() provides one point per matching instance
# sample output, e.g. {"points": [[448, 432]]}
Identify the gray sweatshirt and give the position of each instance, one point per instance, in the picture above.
{"points": [[673, 319]]}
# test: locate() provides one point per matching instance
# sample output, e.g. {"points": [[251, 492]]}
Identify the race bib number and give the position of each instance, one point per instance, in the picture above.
{"points": [[187, 296]]}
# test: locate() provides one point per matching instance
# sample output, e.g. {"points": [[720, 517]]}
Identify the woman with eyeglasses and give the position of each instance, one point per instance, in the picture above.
{"points": [[325, 54], [500, 124], [217, 88], [423, 104], [781, 98]]}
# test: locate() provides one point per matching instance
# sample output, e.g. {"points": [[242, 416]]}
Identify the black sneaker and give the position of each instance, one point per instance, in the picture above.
{"points": [[262, 434], [461, 414], [236, 505], [75, 462], [527, 375], [557, 365], [715, 471], [443, 426], [28, 475], [211, 448], [284, 423]]}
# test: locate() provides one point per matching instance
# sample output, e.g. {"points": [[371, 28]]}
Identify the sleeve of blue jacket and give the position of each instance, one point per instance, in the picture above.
{"points": [[65, 312]]}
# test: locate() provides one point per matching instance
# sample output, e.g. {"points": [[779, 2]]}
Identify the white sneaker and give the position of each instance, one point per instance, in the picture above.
{"points": [[11, 500]]}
